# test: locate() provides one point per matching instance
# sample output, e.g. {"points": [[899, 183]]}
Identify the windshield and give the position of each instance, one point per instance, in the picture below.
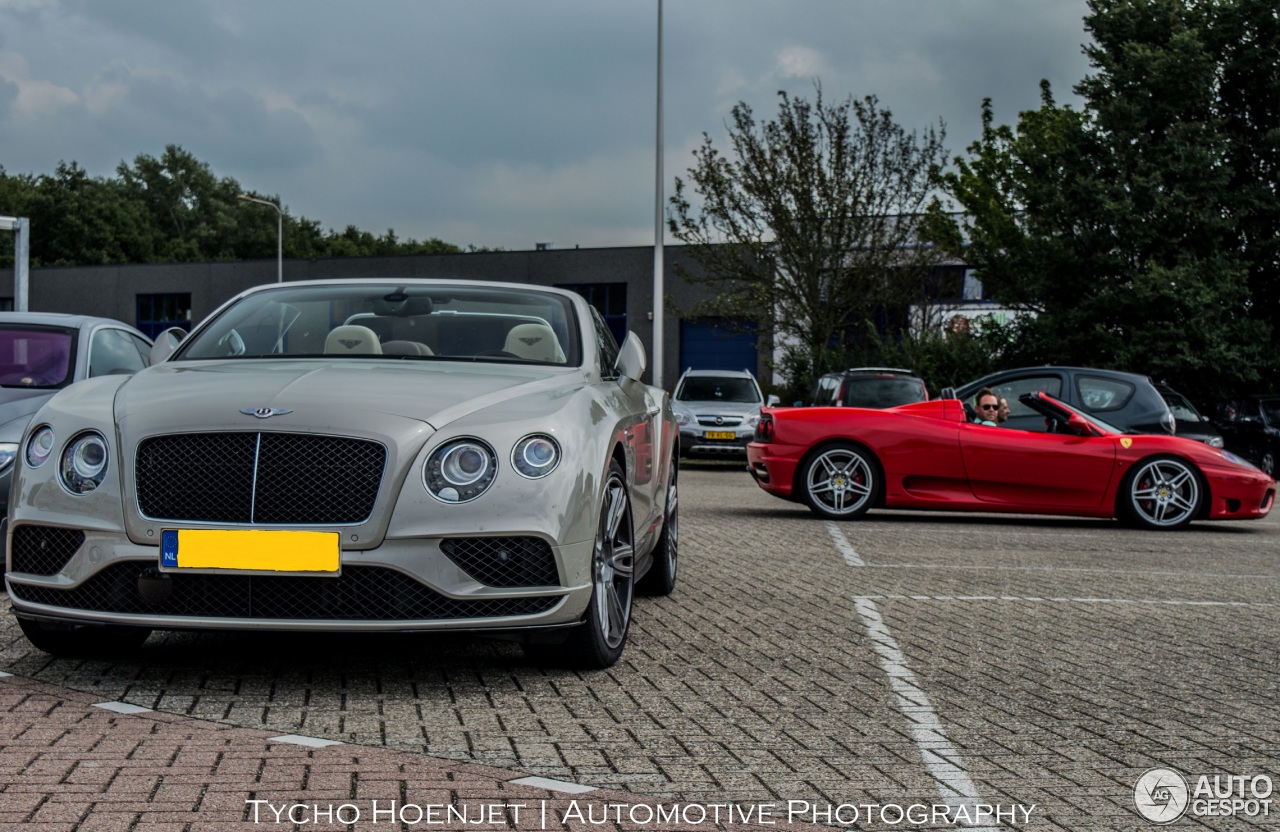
{"points": [[718, 389], [386, 320], [36, 356]]}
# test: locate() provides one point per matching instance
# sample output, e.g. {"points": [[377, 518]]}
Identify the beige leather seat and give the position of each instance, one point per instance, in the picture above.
{"points": [[352, 340], [405, 348], [536, 342]]}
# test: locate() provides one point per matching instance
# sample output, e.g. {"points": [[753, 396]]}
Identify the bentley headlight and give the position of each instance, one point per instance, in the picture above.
{"points": [[84, 463], [460, 470], [8, 453], [535, 456], [39, 446]]}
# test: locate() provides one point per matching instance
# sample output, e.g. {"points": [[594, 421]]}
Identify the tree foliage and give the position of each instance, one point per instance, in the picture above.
{"points": [[1142, 230], [810, 226], [169, 209]]}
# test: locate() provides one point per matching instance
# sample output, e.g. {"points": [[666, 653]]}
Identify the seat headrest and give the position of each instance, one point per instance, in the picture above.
{"points": [[352, 340], [536, 342]]}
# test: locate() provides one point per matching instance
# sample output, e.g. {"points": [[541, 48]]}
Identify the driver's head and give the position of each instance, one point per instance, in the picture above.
{"points": [[987, 404], [1002, 413]]}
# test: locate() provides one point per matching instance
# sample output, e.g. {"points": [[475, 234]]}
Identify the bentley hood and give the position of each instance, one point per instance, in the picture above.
{"points": [[321, 394]]}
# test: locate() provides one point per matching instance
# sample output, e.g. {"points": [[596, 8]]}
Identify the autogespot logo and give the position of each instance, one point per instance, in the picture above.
{"points": [[1161, 795]]}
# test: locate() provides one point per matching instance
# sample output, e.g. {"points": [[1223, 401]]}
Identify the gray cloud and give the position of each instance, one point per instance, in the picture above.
{"points": [[492, 122]]}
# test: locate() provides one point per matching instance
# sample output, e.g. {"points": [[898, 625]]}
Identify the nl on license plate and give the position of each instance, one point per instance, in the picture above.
{"points": [[249, 549], [721, 434]]}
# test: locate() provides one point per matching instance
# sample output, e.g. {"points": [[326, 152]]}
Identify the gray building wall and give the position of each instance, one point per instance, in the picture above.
{"points": [[112, 291]]}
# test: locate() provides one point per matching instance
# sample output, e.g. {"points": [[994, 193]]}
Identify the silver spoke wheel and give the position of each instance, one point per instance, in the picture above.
{"points": [[613, 565], [840, 482], [1164, 493]]}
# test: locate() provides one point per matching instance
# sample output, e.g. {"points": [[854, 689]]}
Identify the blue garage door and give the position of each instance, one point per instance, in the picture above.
{"points": [[714, 345]]}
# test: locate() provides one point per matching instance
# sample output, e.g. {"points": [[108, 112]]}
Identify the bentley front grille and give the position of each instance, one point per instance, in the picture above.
{"points": [[364, 593], [44, 550], [259, 478], [504, 561]]}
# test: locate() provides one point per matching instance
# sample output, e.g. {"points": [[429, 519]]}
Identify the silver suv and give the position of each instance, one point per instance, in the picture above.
{"points": [[717, 411]]}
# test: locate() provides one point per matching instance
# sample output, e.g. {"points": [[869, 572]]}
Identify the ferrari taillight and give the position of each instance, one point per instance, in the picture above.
{"points": [[764, 429]]}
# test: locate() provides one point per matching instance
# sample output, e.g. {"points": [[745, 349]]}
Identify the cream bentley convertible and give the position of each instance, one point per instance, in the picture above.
{"points": [[357, 455]]}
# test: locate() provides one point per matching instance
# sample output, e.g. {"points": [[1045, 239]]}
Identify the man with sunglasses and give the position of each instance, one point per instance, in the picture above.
{"points": [[987, 404]]}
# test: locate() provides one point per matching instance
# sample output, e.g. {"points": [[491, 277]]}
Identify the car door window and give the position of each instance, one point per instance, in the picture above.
{"points": [[1012, 389], [112, 351], [607, 345], [143, 348], [1103, 394]]}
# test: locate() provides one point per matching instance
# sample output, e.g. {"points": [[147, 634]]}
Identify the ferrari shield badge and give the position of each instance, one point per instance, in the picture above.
{"points": [[1126, 442]]}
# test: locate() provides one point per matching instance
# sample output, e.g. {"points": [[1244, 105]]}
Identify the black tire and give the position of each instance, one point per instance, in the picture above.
{"points": [[840, 481], [1268, 463], [661, 577], [1162, 493], [599, 641], [82, 641]]}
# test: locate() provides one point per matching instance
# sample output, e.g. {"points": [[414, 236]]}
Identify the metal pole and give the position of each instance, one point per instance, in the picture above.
{"points": [[21, 256], [20, 226], [279, 246], [279, 232], [658, 357]]}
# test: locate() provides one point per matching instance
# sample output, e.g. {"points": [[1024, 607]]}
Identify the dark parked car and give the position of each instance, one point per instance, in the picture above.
{"points": [[43, 352], [1128, 401], [1251, 429], [874, 387], [1190, 422]]}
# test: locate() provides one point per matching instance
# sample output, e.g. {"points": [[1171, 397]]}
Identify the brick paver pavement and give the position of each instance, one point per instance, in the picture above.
{"points": [[1037, 661]]}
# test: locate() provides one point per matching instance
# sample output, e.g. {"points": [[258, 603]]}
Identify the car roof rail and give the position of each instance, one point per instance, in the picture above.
{"points": [[879, 370]]}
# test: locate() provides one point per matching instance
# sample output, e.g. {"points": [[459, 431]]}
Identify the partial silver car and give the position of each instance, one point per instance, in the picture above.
{"points": [[356, 455], [717, 411], [43, 352]]}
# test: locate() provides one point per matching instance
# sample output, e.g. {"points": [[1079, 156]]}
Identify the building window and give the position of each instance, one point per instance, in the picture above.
{"points": [[6, 304], [156, 313], [610, 300]]}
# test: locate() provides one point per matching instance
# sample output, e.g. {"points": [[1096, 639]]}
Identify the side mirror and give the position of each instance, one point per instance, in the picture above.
{"points": [[631, 359], [166, 342], [1080, 425], [772, 401]]}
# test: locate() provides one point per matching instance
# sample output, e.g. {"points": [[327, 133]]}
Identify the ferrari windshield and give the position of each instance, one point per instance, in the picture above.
{"points": [[389, 320], [36, 356]]}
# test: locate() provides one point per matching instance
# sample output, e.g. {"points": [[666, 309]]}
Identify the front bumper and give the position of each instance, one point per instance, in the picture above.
{"points": [[403, 585]]}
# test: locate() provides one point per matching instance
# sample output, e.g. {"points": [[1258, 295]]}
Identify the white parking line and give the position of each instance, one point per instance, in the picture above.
{"points": [[1082, 569], [1167, 602], [940, 756], [850, 555]]}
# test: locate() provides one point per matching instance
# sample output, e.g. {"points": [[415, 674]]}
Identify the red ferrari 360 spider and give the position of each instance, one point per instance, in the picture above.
{"points": [[843, 461]]}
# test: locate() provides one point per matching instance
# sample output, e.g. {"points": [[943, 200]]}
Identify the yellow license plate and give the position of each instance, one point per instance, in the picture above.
{"points": [[721, 434], [249, 549]]}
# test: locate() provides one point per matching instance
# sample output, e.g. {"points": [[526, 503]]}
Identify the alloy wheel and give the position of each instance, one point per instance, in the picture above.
{"points": [[1165, 493]]}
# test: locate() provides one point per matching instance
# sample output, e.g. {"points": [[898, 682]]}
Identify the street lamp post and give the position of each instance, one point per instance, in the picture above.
{"points": [[658, 357], [279, 232]]}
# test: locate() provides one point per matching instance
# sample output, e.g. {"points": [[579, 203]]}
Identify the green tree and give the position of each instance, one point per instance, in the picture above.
{"points": [[811, 225], [1120, 225]]}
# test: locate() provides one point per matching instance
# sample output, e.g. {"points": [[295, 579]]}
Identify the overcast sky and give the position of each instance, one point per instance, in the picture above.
{"points": [[490, 122]]}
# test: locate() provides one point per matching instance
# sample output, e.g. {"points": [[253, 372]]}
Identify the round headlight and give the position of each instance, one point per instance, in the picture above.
{"points": [[39, 446], [535, 456], [460, 470], [84, 463]]}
